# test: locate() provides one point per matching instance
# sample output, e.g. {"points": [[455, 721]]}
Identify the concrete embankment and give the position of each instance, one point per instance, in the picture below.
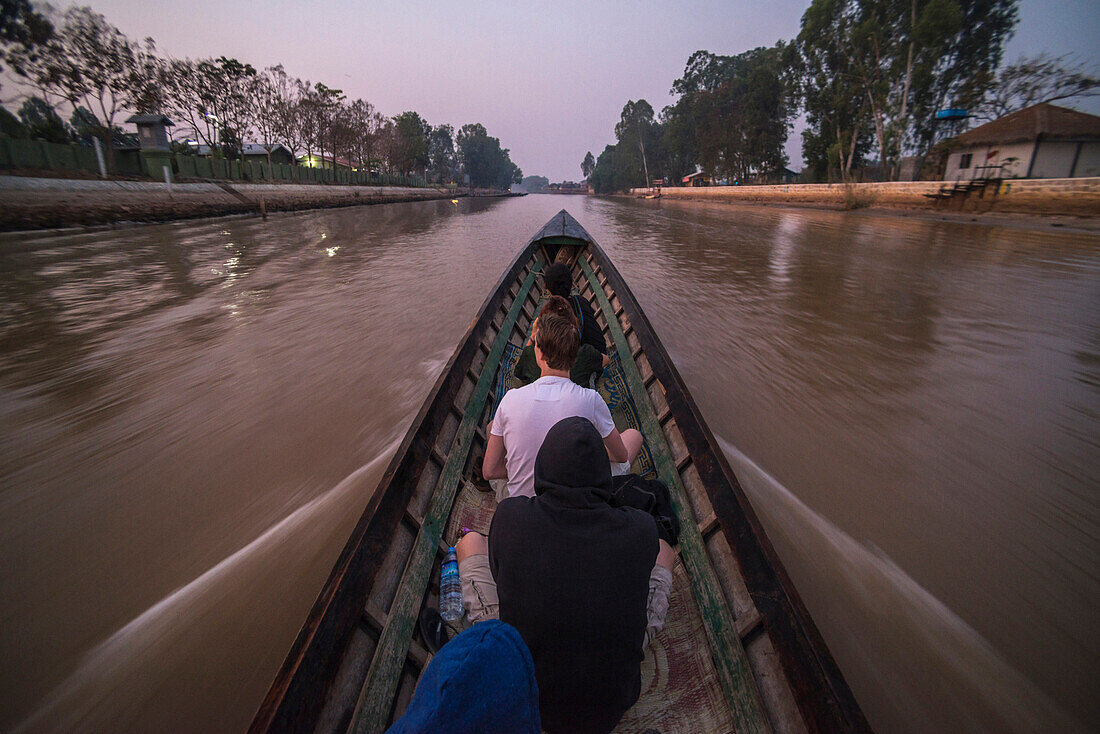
{"points": [[30, 203], [1063, 196]]}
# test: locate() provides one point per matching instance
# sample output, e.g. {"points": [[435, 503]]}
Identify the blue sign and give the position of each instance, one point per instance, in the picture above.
{"points": [[952, 114]]}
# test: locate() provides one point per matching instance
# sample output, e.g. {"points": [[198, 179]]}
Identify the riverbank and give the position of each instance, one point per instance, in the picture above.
{"points": [[1072, 197], [39, 203], [1004, 220]]}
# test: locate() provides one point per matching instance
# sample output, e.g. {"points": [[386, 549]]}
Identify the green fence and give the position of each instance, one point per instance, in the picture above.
{"points": [[21, 153]]}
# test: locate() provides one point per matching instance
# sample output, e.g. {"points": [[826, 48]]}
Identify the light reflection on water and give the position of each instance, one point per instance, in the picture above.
{"points": [[181, 404]]}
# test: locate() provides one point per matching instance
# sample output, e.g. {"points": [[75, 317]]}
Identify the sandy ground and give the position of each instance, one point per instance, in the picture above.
{"points": [[1012, 220]]}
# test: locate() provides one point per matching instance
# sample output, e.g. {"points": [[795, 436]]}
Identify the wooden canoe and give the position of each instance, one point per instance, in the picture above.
{"points": [[739, 651]]}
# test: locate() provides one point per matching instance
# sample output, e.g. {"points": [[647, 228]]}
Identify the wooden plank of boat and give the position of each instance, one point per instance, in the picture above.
{"points": [[732, 665], [354, 664], [383, 676]]}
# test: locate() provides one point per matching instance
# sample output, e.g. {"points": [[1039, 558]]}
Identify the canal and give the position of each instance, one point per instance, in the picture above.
{"points": [[194, 415]]}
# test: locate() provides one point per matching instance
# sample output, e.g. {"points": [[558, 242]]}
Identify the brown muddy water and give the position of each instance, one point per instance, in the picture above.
{"points": [[193, 416]]}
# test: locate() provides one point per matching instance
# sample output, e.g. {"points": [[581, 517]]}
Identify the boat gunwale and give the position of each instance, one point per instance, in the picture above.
{"points": [[297, 693], [763, 572]]}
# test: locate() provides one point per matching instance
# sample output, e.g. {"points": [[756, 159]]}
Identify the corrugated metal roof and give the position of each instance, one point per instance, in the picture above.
{"points": [[1050, 121], [149, 119], [246, 149], [257, 149]]}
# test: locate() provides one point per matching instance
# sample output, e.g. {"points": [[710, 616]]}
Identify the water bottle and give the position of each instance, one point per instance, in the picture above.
{"points": [[450, 588]]}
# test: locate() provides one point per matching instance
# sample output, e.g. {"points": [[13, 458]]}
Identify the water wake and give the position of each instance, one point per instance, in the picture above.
{"points": [[896, 642], [119, 672]]}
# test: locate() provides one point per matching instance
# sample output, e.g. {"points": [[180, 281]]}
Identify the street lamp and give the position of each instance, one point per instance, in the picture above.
{"points": [[211, 119]]}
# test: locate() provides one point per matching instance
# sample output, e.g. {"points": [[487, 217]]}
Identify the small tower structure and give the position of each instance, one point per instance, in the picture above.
{"points": [[153, 137]]}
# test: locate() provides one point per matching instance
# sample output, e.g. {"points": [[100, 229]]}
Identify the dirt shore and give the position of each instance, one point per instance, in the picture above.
{"points": [[39, 203], [1055, 202], [1011, 220]]}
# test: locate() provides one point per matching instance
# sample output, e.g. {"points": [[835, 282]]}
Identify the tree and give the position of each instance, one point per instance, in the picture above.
{"points": [[473, 147], [147, 80], [1033, 80], [534, 184], [510, 172], [328, 101], [604, 179], [88, 62], [678, 141], [587, 165], [388, 144], [441, 154], [411, 142], [23, 31], [84, 125], [233, 108], [286, 111], [485, 162], [263, 97], [365, 123], [212, 97], [733, 113], [11, 126], [837, 133], [309, 117], [952, 64], [886, 66], [635, 126], [42, 122], [343, 131]]}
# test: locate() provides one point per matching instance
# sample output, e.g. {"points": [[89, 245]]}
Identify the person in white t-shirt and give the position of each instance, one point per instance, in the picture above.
{"points": [[526, 414]]}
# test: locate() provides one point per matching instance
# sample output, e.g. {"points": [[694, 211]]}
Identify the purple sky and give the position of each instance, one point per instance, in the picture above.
{"points": [[548, 79]]}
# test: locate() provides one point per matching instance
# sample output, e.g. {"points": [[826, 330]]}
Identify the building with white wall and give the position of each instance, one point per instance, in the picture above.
{"points": [[1044, 141]]}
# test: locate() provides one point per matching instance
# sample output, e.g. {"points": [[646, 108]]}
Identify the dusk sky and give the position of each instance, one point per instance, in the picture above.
{"points": [[549, 79]]}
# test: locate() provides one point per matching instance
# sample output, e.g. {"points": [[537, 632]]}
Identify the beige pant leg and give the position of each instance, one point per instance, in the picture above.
{"points": [[500, 488], [479, 589], [660, 586]]}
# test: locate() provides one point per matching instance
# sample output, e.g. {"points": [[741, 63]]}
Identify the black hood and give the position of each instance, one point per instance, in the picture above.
{"points": [[572, 466]]}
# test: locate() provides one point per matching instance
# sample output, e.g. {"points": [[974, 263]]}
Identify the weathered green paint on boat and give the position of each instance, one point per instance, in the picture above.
{"points": [[384, 674], [732, 666], [354, 663]]}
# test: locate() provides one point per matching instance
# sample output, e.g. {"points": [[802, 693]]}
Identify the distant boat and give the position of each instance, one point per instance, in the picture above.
{"points": [[739, 650]]}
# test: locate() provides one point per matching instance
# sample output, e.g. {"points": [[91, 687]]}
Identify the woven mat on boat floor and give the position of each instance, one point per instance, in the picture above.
{"points": [[472, 510], [680, 689]]}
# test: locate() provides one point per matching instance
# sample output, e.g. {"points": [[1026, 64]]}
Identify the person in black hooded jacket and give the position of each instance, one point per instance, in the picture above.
{"points": [[575, 577]]}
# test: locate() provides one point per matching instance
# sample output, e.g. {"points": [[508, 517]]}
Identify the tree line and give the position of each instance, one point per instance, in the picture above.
{"points": [[77, 60], [869, 77]]}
